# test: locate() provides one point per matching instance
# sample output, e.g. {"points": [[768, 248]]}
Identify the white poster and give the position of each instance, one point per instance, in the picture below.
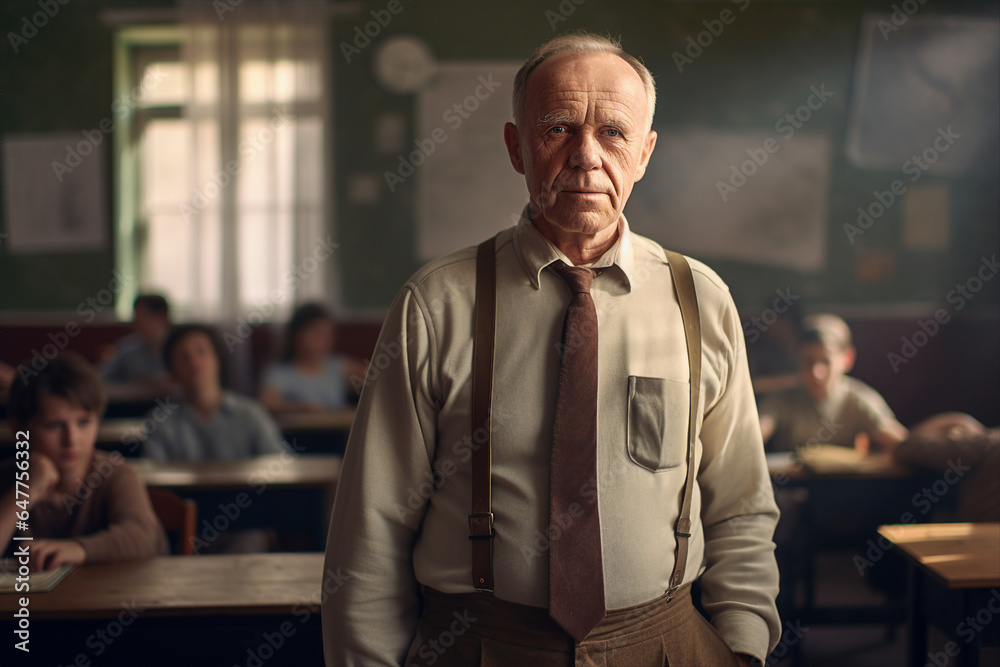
{"points": [[753, 197], [55, 192], [467, 189]]}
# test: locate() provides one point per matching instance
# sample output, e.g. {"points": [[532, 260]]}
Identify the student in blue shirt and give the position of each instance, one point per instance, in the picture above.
{"points": [[309, 377], [210, 423], [138, 357]]}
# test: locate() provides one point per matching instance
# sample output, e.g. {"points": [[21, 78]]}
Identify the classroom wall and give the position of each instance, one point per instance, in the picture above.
{"points": [[61, 81]]}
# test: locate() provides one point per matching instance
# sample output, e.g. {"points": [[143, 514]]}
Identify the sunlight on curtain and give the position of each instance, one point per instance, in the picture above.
{"points": [[254, 179]]}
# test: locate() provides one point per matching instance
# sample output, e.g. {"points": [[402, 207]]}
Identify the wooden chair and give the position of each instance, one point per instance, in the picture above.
{"points": [[178, 516]]}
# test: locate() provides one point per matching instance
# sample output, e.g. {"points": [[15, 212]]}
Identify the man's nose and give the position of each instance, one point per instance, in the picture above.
{"points": [[586, 152]]}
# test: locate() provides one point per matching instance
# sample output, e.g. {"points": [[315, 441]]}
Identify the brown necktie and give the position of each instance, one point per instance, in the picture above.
{"points": [[576, 571]]}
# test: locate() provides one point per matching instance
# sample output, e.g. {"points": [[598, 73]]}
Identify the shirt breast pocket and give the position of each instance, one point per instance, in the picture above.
{"points": [[657, 422]]}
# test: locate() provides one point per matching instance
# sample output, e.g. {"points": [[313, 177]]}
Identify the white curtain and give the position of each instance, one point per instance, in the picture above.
{"points": [[254, 223]]}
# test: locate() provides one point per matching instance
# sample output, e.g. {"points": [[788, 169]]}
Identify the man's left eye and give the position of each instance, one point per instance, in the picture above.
{"points": [[614, 133]]}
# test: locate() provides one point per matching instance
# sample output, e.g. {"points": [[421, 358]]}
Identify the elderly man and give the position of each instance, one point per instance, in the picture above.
{"points": [[539, 489]]}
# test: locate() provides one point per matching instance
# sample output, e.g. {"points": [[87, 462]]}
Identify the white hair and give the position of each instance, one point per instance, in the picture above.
{"points": [[581, 42]]}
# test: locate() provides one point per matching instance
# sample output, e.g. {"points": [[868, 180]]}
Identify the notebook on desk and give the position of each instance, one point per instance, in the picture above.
{"points": [[38, 582], [831, 459]]}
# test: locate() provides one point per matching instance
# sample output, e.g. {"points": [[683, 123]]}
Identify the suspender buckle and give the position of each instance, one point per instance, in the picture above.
{"points": [[481, 526], [671, 592]]}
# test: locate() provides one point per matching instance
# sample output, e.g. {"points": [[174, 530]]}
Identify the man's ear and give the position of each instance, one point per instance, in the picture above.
{"points": [[850, 355], [647, 151], [513, 142]]}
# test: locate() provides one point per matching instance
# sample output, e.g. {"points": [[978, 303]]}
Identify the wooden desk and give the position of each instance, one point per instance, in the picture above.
{"points": [[838, 509], [317, 432], [280, 470], [952, 566], [111, 433], [307, 422], [874, 466], [280, 492], [244, 584], [194, 610]]}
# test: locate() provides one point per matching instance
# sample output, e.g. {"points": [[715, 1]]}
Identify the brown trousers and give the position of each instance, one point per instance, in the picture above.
{"points": [[476, 630]]}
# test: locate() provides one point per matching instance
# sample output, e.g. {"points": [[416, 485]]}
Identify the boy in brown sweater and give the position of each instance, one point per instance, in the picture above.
{"points": [[85, 506]]}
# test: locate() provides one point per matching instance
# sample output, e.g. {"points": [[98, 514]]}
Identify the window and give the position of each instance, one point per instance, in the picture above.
{"points": [[221, 179]]}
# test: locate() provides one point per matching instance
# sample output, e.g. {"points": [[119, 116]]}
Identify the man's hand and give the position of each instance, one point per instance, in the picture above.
{"points": [[50, 554]]}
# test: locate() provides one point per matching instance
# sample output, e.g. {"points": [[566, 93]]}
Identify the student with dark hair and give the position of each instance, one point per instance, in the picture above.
{"points": [[211, 423], [309, 377], [138, 357], [86, 506]]}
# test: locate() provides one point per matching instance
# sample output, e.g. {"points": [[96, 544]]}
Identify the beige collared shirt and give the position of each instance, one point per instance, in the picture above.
{"points": [[402, 508]]}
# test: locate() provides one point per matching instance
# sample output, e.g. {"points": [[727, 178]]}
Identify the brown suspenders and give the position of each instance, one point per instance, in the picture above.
{"points": [[481, 519]]}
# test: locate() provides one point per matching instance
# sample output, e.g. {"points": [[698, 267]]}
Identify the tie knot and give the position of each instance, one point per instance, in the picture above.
{"points": [[578, 278]]}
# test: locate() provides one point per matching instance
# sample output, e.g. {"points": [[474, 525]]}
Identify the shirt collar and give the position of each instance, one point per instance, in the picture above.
{"points": [[535, 252]]}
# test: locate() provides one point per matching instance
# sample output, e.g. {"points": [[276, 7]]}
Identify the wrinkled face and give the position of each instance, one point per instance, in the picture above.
{"points": [[193, 361], [584, 143], [821, 367], [315, 339], [66, 433]]}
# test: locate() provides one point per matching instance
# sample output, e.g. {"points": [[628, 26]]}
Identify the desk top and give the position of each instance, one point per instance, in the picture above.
{"points": [[127, 431], [308, 422], [245, 584], [874, 466], [958, 555], [308, 470], [110, 431]]}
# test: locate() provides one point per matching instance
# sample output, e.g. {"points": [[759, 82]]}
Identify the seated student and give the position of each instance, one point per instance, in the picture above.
{"points": [[309, 378], [829, 407], [138, 357], [85, 506], [964, 452], [211, 423]]}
